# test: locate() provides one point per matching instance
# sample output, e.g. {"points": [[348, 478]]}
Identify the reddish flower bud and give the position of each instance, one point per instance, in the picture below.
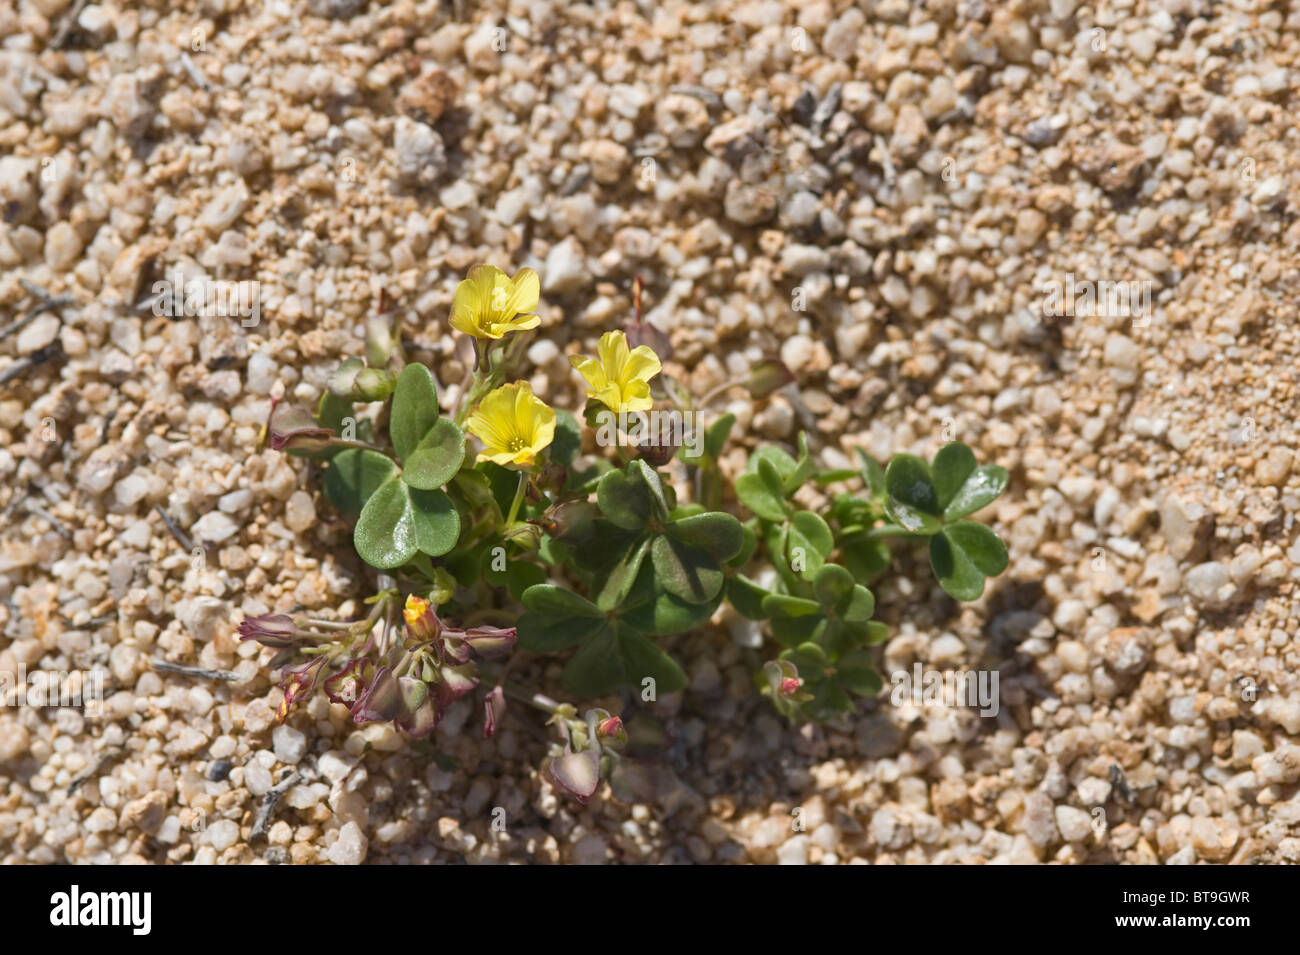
{"points": [[494, 707], [292, 428]]}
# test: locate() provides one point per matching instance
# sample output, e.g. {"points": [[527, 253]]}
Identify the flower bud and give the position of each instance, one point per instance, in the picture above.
{"points": [[611, 728], [766, 376], [494, 708], [422, 624], [290, 428]]}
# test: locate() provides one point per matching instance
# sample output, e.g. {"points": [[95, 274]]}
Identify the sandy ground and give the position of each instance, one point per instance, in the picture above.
{"points": [[888, 195]]}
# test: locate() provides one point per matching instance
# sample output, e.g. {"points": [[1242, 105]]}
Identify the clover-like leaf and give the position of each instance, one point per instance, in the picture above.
{"points": [[832, 585], [760, 496], [747, 597], [354, 475], [415, 409], [809, 542], [550, 600], [624, 500], [437, 525], [568, 438], [685, 572], [660, 506], [913, 502], [856, 672], [623, 576], [597, 668], [963, 555], [664, 615], [642, 659], [802, 470], [385, 535], [719, 535], [437, 457]]}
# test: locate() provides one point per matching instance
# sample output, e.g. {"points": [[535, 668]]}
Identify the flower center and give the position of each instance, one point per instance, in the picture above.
{"points": [[516, 444]]}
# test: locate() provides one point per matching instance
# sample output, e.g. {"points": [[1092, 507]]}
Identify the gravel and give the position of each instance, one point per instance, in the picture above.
{"points": [[888, 207]]}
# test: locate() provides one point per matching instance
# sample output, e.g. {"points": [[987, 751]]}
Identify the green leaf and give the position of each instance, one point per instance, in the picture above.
{"points": [[778, 460], [716, 434], [810, 537], [761, 495], [981, 488], [789, 631], [802, 470], [685, 572], [568, 438], [719, 535], [866, 559], [353, 475], [784, 605], [556, 601], [856, 672], [415, 409], [624, 500], [620, 580], [437, 525], [749, 544], [747, 597], [542, 634], [834, 475], [658, 496], [832, 584], [517, 576], [877, 632], [597, 668], [641, 659], [873, 474], [858, 606], [963, 555], [951, 467], [666, 615], [913, 502], [385, 534], [809, 659], [437, 458]]}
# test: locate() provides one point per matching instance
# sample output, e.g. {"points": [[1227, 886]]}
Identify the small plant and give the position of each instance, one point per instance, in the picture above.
{"points": [[491, 531]]}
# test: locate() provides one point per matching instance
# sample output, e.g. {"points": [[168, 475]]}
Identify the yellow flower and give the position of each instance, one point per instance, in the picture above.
{"points": [[489, 304], [513, 424], [619, 379]]}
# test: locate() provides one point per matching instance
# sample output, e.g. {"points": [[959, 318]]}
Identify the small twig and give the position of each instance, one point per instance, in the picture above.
{"points": [[199, 79], [66, 26], [40, 309], [25, 364], [36, 510], [94, 769], [164, 666], [269, 802], [175, 529]]}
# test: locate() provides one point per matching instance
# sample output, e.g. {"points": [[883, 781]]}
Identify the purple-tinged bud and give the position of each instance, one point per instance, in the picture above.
{"points": [[381, 702], [290, 428], [270, 630], [347, 685], [420, 711], [790, 686], [494, 708], [577, 774], [489, 640]]}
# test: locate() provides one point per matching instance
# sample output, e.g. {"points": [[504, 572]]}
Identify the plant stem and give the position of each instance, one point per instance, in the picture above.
{"points": [[519, 498]]}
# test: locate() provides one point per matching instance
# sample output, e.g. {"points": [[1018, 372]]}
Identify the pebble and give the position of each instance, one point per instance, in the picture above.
{"points": [[289, 744]]}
